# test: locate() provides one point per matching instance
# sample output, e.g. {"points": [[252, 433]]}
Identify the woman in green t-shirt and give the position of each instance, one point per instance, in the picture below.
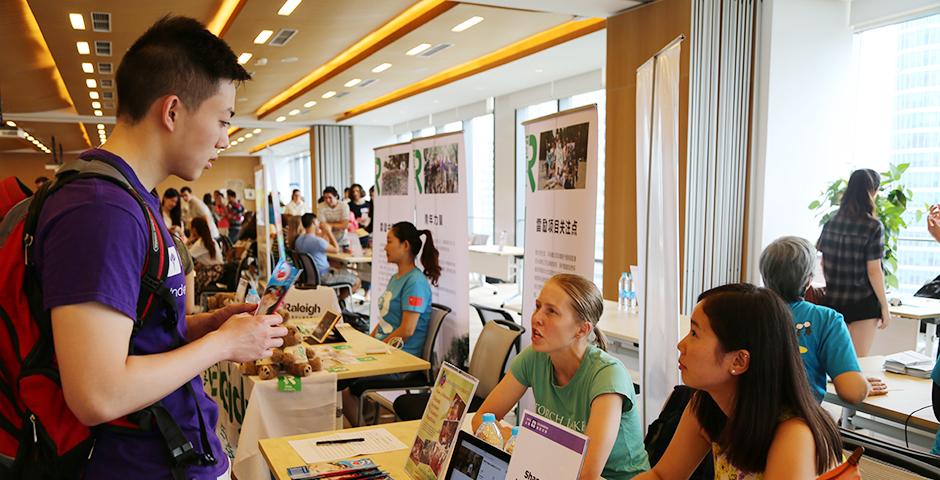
{"points": [[754, 411], [576, 383]]}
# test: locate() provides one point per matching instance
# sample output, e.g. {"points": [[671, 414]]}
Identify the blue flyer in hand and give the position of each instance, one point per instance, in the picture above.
{"points": [[282, 278]]}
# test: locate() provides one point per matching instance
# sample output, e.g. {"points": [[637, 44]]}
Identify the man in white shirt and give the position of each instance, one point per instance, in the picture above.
{"points": [[335, 213], [194, 207]]}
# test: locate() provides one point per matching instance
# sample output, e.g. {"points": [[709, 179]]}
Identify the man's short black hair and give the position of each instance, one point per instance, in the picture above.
{"points": [[331, 190], [186, 189], [307, 219], [231, 193], [176, 56]]}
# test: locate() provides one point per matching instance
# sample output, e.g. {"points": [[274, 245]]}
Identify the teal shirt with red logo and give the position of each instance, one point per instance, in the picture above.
{"points": [[410, 292]]}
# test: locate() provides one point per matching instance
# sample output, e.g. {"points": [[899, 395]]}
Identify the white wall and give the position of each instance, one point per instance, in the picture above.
{"points": [[802, 117], [365, 139], [874, 13]]}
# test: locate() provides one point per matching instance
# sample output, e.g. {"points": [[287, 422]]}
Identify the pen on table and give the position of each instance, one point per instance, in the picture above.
{"points": [[344, 440]]}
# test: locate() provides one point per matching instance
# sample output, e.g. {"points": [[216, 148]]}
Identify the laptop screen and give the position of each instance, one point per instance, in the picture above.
{"points": [[474, 459]]}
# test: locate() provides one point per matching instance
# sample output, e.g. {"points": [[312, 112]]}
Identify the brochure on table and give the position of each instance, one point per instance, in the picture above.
{"points": [[443, 416], [441, 207], [394, 202], [546, 450], [560, 201]]}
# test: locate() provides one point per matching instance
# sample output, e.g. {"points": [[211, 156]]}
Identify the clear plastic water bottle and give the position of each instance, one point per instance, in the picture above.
{"points": [[489, 431], [502, 240], [511, 443], [632, 299], [626, 293]]}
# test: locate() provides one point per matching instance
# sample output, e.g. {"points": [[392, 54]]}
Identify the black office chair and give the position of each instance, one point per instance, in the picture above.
{"points": [[309, 276], [890, 460]]}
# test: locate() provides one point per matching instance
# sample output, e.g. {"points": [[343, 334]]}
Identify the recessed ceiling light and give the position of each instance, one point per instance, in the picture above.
{"points": [[353, 82], [88, 68], [256, 131], [310, 104], [83, 48], [263, 36], [467, 24], [329, 94], [77, 20], [280, 119], [243, 58], [289, 59], [10, 123], [96, 105], [91, 83], [93, 95], [100, 126], [98, 113], [381, 68], [249, 135], [240, 139], [288, 7], [418, 49], [29, 137], [293, 112]]}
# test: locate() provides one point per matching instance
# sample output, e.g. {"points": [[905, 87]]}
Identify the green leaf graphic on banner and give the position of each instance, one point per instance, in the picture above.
{"points": [[533, 147], [418, 171], [378, 176]]}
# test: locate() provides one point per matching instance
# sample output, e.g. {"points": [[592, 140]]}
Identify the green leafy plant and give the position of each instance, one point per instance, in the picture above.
{"points": [[890, 206]]}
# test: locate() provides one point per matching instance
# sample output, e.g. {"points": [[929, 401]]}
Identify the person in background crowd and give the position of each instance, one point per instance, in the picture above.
{"points": [[172, 212], [575, 381], [370, 204], [204, 248], [219, 211], [852, 245], [359, 207], [296, 206], [190, 270], [405, 306], [317, 240], [234, 213], [194, 208], [346, 195], [825, 345], [39, 182], [334, 213], [754, 410]]}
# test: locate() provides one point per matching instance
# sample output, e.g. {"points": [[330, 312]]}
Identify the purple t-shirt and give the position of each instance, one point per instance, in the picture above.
{"points": [[91, 245]]}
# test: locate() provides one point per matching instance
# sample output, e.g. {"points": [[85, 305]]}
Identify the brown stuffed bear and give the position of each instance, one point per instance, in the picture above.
{"points": [[299, 369], [293, 337], [267, 372]]}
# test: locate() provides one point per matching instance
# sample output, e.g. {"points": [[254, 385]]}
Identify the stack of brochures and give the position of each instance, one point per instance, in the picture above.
{"points": [[910, 363], [358, 469]]}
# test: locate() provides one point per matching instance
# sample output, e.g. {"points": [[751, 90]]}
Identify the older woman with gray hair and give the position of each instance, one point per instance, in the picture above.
{"points": [[787, 268]]}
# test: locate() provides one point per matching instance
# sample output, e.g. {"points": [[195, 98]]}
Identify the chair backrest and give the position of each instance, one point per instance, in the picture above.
{"points": [[487, 313], [894, 458], [438, 314], [311, 275], [491, 353]]}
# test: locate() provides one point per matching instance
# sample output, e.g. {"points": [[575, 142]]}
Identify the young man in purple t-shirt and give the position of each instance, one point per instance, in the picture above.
{"points": [[176, 92]]}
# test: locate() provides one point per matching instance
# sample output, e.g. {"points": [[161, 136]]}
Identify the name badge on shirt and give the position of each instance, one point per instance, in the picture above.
{"points": [[176, 266]]}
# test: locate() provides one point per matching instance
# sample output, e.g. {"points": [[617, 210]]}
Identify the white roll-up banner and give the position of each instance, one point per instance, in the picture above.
{"points": [[561, 201], [394, 202], [440, 177]]}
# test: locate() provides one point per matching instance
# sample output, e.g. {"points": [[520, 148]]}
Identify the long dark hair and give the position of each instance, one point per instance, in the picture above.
{"points": [[406, 232], [745, 317], [176, 213], [201, 227], [856, 200]]}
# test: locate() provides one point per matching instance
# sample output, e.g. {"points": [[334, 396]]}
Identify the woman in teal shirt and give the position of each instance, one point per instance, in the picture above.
{"points": [[404, 307], [575, 383]]}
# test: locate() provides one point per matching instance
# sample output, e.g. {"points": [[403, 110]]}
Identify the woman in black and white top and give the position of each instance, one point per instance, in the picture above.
{"points": [[852, 245], [205, 250]]}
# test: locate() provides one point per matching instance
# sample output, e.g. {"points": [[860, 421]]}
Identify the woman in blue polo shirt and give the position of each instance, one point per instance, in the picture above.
{"points": [[404, 307]]}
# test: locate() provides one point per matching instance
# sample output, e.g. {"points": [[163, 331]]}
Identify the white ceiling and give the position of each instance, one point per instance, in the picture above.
{"points": [[584, 54], [584, 8]]}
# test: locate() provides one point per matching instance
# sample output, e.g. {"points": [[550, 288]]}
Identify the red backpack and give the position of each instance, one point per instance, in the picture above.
{"points": [[39, 436]]}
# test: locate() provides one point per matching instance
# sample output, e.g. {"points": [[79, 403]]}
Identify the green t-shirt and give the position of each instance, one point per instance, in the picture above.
{"points": [[570, 405]]}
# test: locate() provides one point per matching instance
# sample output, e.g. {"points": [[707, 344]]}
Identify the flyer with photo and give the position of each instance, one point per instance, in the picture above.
{"points": [[443, 415], [282, 278]]}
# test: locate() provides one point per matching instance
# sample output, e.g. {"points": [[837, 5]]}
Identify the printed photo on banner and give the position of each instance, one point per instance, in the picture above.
{"points": [[563, 158], [440, 169], [395, 175]]}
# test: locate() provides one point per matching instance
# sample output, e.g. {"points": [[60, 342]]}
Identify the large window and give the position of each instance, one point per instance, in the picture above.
{"points": [[897, 120], [478, 134]]}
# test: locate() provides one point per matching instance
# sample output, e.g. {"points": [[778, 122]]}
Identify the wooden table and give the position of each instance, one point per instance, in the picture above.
{"points": [[280, 455], [349, 258], [495, 261], [906, 394], [395, 361]]}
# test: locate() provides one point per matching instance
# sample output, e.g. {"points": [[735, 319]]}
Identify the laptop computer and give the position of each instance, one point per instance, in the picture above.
{"points": [[474, 459]]}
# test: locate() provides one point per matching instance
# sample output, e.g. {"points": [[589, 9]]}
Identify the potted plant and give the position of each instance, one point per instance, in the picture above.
{"points": [[890, 206]]}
